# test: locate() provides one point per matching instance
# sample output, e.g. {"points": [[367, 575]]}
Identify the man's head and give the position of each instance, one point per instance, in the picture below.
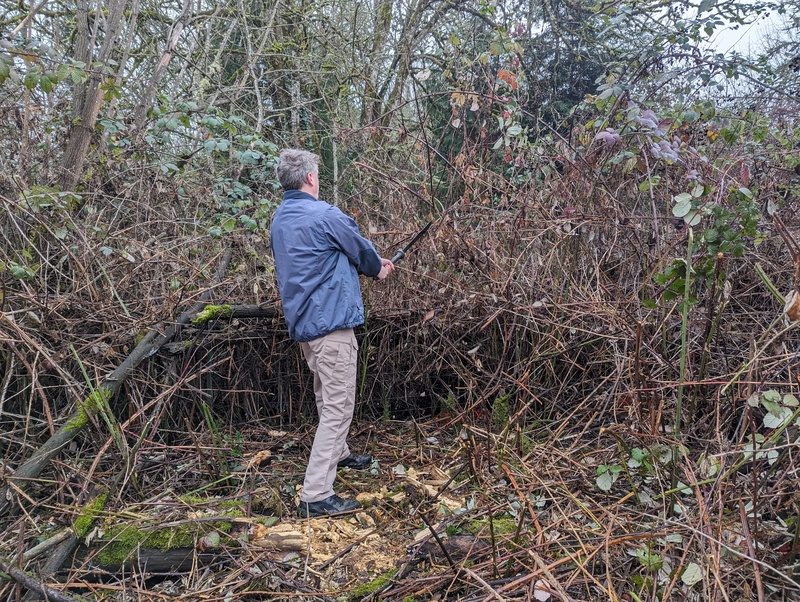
{"points": [[298, 170]]}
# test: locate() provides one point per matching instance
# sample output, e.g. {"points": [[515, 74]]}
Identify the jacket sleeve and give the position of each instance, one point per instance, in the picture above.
{"points": [[342, 231]]}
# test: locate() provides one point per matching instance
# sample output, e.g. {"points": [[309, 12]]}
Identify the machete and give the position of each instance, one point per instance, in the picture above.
{"points": [[402, 252]]}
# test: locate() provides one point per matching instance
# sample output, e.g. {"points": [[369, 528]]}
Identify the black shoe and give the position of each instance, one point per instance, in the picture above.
{"points": [[329, 506], [355, 462]]}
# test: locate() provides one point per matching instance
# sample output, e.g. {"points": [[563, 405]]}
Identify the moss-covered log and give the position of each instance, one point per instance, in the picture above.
{"points": [[156, 548]]}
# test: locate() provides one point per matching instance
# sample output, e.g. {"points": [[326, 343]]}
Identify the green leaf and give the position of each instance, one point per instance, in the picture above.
{"points": [[689, 116], [605, 481], [711, 235], [31, 80], [693, 218], [771, 406], [729, 135], [46, 85], [682, 208], [771, 395], [706, 5], [606, 93], [515, 130], [790, 401], [778, 419], [692, 574]]}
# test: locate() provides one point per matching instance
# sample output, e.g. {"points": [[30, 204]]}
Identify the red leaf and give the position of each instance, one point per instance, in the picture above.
{"points": [[508, 77], [744, 174]]}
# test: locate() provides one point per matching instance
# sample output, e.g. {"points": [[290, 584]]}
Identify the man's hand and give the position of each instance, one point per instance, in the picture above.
{"points": [[387, 268]]}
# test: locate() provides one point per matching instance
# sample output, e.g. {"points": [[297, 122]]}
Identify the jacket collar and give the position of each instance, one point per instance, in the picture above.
{"points": [[299, 195]]}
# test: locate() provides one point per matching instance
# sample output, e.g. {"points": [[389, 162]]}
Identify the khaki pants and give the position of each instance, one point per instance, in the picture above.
{"points": [[332, 359]]}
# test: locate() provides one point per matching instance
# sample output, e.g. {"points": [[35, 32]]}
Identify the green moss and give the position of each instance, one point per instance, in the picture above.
{"points": [[232, 507], [90, 406], [500, 412], [43, 190], [213, 312], [503, 525], [192, 499], [97, 401], [91, 511], [365, 589], [78, 421], [121, 541], [218, 504]]}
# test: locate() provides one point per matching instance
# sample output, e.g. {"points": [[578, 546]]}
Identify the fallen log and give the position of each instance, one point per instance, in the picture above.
{"points": [[32, 584], [98, 400], [172, 547]]}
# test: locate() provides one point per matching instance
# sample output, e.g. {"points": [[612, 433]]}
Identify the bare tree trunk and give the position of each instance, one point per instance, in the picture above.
{"points": [[87, 101], [172, 41]]}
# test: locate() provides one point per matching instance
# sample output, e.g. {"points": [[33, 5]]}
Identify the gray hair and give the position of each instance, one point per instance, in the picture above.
{"points": [[293, 167]]}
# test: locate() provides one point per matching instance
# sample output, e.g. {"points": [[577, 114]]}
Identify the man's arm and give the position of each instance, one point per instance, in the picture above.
{"points": [[343, 232]]}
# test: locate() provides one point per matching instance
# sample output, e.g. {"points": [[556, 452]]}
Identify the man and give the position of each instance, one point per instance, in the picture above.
{"points": [[319, 254]]}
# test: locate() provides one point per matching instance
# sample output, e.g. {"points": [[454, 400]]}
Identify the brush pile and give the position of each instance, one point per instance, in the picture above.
{"points": [[579, 386]]}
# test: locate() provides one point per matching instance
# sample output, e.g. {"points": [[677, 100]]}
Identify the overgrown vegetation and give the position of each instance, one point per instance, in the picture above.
{"points": [[596, 343]]}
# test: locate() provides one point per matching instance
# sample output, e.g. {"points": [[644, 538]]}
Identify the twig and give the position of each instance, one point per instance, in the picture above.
{"points": [[32, 584]]}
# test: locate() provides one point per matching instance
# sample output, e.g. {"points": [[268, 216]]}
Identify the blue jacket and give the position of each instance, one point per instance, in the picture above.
{"points": [[319, 254]]}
